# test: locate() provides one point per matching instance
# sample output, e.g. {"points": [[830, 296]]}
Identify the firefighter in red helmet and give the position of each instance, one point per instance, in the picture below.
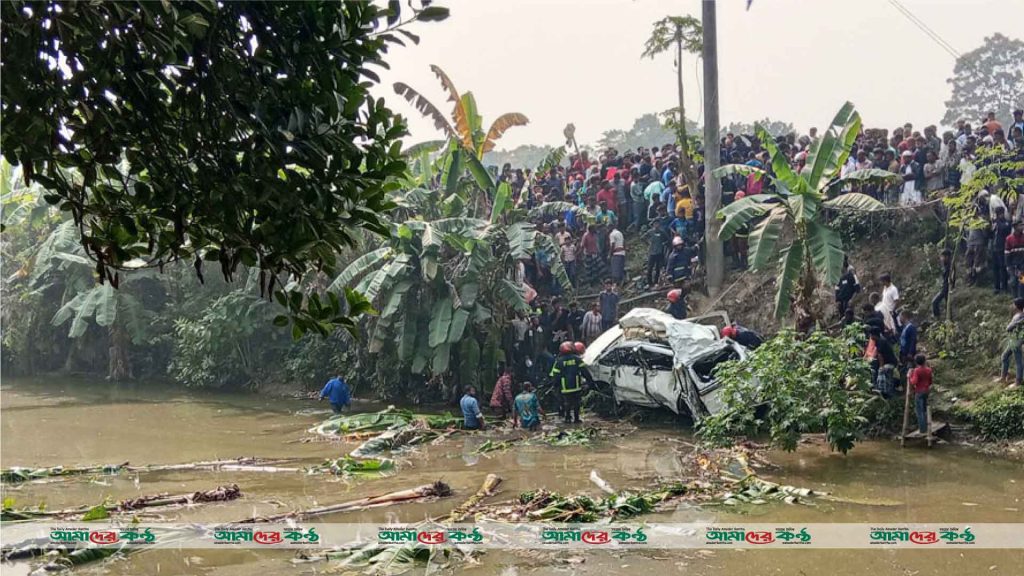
{"points": [[676, 304], [568, 373]]}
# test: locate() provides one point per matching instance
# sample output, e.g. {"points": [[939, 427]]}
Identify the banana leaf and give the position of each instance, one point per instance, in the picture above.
{"points": [[347, 423], [18, 474], [398, 436], [573, 437], [446, 420], [348, 466]]}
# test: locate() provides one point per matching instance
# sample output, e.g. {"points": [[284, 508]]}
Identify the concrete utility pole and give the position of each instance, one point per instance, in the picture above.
{"points": [[712, 186]]}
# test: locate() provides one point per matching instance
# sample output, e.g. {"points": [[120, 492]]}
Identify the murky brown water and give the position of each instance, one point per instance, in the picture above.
{"points": [[77, 423]]}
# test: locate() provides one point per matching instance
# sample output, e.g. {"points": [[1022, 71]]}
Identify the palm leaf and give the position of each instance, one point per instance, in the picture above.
{"points": [[765, 237], [412, 199], [106, 305], [804, 206], [459, 319], [871, 175], [458, 111], [828, 153], [391, 272], [63, 238], [544, 242], [427, 146], [499, 126], [742, 169], [407, 337], [428, 265], [520, 237], [741, 212], [476, 168], [553, 158], [790, 261], [502, 200], [82, 307], [396, 298], [376, 277], [440, 322], [454, 165], [513, 295], [470, 138], [559, 208], [358, 267], [854, 201], [826, 251], [468, 293], [424, 107], [442, 355], [780, 164]]}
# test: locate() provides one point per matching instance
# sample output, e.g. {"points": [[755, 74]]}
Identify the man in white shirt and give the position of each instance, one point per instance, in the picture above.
{"points": [[617, 248], [890, 302]]}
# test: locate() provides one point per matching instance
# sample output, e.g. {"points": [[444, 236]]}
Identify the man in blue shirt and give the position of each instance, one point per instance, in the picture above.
{"points": [[337, 392], [472, 418], [908, 341]]}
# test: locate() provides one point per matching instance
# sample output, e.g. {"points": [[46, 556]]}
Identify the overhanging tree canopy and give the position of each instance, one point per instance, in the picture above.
{"points": [[231, 132]]}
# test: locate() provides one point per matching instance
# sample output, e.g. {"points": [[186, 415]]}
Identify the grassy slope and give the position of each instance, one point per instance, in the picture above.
{"points": [[907, 247]]}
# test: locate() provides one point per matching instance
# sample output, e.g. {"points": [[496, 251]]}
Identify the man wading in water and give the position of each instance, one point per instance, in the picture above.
{"points": [[337, 392]]}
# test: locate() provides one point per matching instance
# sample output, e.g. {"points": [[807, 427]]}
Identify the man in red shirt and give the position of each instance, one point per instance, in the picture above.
{"points": [[1014, 253], [501, 399], [991, 124], [607, 196], [921, 380]]}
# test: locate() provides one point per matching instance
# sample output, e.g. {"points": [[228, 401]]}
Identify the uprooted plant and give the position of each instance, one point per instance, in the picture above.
{"points": [[792, 386]]}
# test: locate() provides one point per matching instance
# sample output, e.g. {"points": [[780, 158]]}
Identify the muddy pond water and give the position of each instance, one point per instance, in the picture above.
{"points": [[71, 422]]}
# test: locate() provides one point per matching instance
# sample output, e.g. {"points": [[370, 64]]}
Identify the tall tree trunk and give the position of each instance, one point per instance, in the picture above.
{"points": [[120, 367], [685, 161], [715, 256], [804, 305]]}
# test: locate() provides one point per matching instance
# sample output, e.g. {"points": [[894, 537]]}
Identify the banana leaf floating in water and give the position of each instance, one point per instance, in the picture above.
{"points": [[392, 560], [398, 436], [346, 424], [348, 466], [572, 437]]}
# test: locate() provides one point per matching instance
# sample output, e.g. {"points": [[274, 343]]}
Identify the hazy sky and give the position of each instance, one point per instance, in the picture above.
{"points": [[559, 61]]}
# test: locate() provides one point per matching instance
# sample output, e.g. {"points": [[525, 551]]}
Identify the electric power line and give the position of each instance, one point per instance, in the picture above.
{"points": [[913, 19]]}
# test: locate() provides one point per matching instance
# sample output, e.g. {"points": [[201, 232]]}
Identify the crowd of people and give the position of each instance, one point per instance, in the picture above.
{"points": [[641, 197]]}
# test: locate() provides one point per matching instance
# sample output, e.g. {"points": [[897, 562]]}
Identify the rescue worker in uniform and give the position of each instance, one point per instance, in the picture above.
{"points": [[679, 261], [742, 336], [676, 304], [568, 373]]}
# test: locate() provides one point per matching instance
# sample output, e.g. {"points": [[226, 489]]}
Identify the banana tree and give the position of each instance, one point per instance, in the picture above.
{"points": [[788, 218], [465, 129], [444, 281], [60, 258]]}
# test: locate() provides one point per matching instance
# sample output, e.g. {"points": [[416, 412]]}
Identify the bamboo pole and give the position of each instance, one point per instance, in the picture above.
{"points": [[219, 494], [906, 413], [436, 490]]}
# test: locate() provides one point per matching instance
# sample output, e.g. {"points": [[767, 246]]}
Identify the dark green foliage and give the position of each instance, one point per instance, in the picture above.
{"points": [[815, 384], [989, 78], [234, 133], [998, 416]]}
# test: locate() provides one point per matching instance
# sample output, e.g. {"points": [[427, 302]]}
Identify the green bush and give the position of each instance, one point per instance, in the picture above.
{"points": [[807, 384], [998, 416]]}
